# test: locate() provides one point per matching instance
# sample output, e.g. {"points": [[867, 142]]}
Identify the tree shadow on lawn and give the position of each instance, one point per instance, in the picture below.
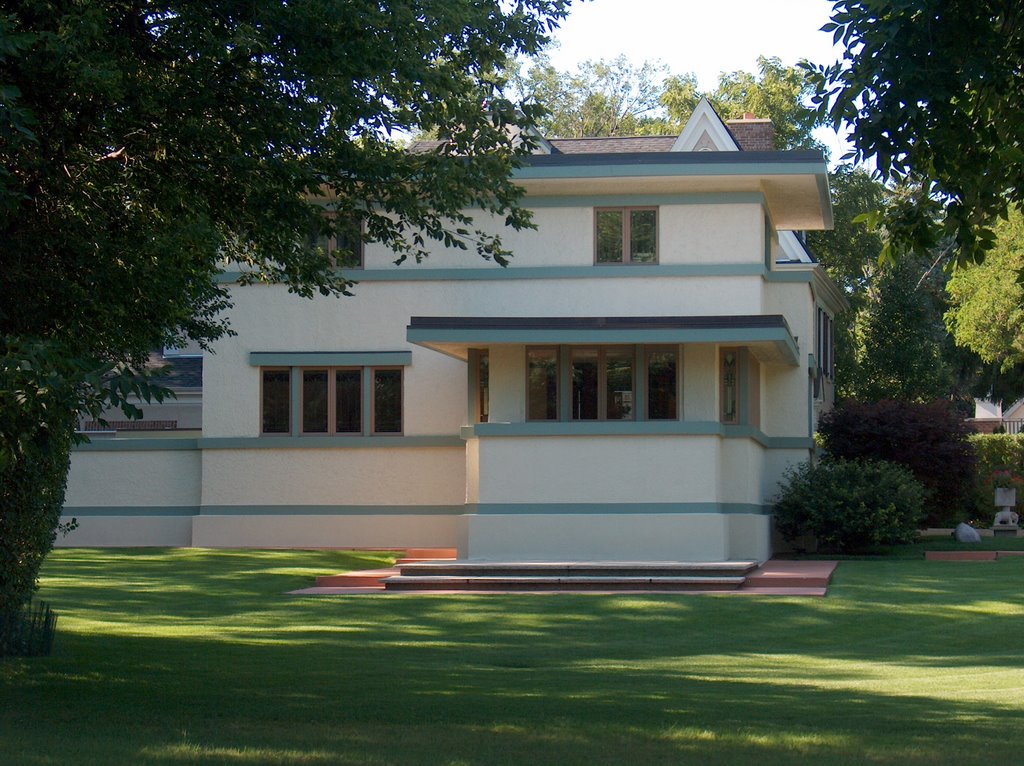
{"points": [[242, 674]]}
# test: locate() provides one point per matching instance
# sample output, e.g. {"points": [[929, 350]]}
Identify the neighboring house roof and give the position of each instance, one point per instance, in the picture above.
{"points": [[182, 371]]}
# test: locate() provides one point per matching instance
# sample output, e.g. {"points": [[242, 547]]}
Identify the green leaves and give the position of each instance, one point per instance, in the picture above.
{"points": [[933, 92]]}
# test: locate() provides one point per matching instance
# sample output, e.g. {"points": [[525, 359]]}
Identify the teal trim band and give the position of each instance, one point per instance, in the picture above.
{"points": [[332, 510], [141, 445], [779, 336], [764, 169], [635, 428], [643, 200], [91, 511], [414, 273], [789, 276], [327, 442], [594, 509], [270, 442], [330, 358]]}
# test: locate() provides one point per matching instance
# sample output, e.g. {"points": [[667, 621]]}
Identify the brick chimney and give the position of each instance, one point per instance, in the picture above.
{"points": [[752, 134]]}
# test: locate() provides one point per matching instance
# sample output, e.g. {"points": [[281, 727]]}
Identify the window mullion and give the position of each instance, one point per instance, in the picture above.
{"points": [[367, 401], [627, 235]]}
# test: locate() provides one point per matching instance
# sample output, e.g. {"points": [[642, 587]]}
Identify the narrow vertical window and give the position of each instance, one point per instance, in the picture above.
{"points": [[314, 401], [643, 236], [277, 395], [348, 243], [618, 376], [387, 401], [542, 384], [661, 384], [483, 391], [585, 384], [348, 401], [609, 236], [730, 386]]}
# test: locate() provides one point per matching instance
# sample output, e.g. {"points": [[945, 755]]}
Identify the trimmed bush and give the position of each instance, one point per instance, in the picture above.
{"points": [[850, 505], [929, 439]]}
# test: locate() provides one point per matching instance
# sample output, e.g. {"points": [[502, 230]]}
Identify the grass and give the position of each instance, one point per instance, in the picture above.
{"points": [[197, 657]]}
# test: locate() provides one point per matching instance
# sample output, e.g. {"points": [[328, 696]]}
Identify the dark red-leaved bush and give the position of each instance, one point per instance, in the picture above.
{"points": [[929, 439]]}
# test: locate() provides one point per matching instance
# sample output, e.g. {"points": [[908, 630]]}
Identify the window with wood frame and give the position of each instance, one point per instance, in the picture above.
{"points": [[626, 235]]}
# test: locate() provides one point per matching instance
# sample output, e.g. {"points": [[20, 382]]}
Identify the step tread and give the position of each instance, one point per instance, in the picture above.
{"points": [[698, 580]]}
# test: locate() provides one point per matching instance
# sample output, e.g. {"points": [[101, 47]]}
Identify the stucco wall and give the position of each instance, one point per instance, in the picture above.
{"points": [[294, 478]]}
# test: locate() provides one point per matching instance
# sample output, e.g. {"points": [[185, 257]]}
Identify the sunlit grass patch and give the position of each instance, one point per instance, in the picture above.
{"points": [[184, 656]]}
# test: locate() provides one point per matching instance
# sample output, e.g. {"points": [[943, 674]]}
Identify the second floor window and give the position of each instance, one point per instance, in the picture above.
{"points": [[626, 235]]}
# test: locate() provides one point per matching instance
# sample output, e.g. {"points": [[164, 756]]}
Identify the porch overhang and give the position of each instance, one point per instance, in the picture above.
{"points": [[767, 336]]}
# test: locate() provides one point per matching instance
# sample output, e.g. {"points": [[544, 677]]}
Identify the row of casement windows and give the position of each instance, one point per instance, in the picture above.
{"points": [[621, 235], [602, 383], [346, 401]]}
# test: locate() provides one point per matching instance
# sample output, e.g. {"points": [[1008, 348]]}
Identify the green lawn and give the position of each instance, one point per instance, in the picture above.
{"points": [[192, 656]]}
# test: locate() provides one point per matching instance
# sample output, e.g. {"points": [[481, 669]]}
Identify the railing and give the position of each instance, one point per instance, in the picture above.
{"points": [[1013, 426]]}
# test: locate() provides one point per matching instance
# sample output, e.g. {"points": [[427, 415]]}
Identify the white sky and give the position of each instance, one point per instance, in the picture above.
{"points": [[706, 37]]}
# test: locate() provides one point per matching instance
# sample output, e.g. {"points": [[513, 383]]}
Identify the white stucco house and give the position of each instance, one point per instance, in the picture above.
{"points": [[632, 387]]}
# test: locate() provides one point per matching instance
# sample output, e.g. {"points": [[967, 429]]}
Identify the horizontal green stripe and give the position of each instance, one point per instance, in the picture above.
{"points": [[327, 442], [575, 428], [332, 510], [550, 336], [636, 428], [134, 510], [571, 335], [329, 358], [789, 276], [413, 272], [270, 442], [129, 444], [487, 509], [645, 200], [628, 170], [416, 510]]}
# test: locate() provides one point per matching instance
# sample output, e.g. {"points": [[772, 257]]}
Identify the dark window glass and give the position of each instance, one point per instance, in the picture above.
{"points": [[348, 244], [277, 401], [348, 401], [730, 387], [618, 372], [584, 384], [609, 236], [484, 388], [542, 364], [661, 385], [643, 236], [387, 401], [314, 401]]}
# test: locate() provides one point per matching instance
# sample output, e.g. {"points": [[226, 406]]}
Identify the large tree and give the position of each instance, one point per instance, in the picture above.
{"points": [[145, 146], [617, 98], [933, 91], [986, 311]]}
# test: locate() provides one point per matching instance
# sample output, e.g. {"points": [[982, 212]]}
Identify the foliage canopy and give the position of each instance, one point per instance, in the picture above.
{"points": [[147, 147], [933, 91]]}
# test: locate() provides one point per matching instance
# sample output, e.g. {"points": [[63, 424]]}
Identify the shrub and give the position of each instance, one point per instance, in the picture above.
{"points": [[929, 439], [850, 505], [1000, 464]]}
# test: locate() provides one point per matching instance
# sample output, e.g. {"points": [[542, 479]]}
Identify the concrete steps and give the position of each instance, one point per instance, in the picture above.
{"points": [[570, 576], [450, 576]]}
